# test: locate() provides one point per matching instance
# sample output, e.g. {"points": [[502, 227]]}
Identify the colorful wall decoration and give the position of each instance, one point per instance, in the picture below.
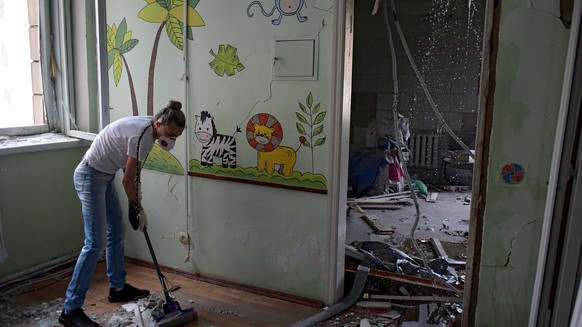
{"points": [[276, 159], [283, 8], [270, 146]]}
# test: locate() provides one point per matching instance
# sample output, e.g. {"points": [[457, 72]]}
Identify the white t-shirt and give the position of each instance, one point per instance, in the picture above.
{"points": [[112, 146]]}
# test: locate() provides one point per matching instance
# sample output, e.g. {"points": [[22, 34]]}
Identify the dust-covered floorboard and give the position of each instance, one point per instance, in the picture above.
{"points": [[40, 303]]}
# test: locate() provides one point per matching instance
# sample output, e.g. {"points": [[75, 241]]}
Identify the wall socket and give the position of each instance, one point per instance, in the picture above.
{"points": [[184, 238]]}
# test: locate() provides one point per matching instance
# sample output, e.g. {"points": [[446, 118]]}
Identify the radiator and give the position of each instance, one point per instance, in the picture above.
{"points": [[424, 148]]}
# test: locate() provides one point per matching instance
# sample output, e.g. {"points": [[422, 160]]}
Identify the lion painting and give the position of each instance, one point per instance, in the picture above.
{"points": [[283, 156]]}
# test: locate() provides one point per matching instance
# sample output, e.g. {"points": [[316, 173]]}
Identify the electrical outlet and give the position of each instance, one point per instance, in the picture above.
{"points": [[184, 238]]}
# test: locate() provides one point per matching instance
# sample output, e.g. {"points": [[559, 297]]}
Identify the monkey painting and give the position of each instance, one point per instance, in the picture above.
{"points": [[285, 8]]}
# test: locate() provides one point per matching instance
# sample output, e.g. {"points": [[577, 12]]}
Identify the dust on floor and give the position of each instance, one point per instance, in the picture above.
{"points": [[46, 314]]}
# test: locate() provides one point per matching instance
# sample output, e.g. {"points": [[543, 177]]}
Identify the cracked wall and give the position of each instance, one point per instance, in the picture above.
{"points": [[529, 73], [251, 233]]}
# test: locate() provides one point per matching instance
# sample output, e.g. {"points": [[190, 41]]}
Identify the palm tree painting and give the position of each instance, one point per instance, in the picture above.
{"points": [[170, 15], [119, 42]]}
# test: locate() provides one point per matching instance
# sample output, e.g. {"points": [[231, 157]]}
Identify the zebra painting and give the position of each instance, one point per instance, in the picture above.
{"points": [[214, 144]]}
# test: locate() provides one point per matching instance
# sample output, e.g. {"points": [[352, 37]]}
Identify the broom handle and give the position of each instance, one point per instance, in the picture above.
{"points": [[160, 275]]}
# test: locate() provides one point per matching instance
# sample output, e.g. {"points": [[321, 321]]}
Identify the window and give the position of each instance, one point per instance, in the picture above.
{"points": [[21, 91], [50, 67]]}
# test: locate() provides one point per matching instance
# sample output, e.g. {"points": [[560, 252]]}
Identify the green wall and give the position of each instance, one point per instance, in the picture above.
{"points": [[529, 77], [40, 213]]}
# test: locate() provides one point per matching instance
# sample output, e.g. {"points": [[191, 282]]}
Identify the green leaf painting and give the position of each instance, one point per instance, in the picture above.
{"points": [[226, 61], [163, 161], [171, 13], [119, 42], [310, 125]]}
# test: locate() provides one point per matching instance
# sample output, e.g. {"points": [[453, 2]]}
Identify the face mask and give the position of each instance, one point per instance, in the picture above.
{"points": [[167, 143]]}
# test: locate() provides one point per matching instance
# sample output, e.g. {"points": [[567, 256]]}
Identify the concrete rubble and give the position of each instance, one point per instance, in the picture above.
{"points": [[399, 283], [46, 314], [401, 286]]}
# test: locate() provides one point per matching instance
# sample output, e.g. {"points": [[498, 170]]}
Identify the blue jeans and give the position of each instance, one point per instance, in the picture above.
{"points": [[101, 212]]}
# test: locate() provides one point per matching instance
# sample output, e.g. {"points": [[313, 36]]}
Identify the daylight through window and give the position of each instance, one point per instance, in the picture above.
{"points": [[21, 100]]}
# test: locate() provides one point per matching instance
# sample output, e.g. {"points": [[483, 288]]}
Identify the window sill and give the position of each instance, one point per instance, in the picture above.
{"points": [[38, 142]]}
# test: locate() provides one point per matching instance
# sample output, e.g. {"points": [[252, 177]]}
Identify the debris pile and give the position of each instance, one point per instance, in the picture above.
{"points": [[361, 319], [400, 287], [405, 287], [43, 314], [47, 314]]}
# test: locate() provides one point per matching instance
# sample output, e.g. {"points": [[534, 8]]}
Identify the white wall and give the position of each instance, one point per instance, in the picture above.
{"points": [[262, 236]]}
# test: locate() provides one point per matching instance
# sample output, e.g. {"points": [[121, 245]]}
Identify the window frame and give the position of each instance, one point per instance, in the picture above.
{"points": [[60, 82], [92, 16], [35, 128]]}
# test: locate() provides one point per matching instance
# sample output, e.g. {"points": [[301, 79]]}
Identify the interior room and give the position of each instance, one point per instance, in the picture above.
{"points": [[340, 163], [444, 40]]}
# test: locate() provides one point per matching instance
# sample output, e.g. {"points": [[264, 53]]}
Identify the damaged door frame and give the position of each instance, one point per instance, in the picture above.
{"points": [[341, 100], [482, 151]]}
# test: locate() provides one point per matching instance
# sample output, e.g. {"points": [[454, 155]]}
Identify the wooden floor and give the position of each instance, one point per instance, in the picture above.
{"points": [[216, 305]]}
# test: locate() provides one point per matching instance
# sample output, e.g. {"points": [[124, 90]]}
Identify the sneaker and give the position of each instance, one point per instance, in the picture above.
{"points": [[76, 318], [126, 294]]}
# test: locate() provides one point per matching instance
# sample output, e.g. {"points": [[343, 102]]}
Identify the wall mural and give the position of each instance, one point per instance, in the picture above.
{"points": [[264, 134], [170, 16], [314, 125], [226, 61], [284, 7], [276, 159], [120, 42], [214, 144], [277, 155]]}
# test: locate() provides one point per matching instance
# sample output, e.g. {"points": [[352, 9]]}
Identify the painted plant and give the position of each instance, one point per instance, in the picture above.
{"points": [[225, 61], [310, 125], [120, 42], [170, 15], [276, 163]]}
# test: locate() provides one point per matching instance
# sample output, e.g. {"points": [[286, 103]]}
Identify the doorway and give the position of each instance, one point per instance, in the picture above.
{"points": [[421, 188]]}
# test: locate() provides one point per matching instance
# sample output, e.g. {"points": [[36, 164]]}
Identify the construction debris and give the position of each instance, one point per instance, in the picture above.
{"points": [[456, 188], [432, 314], [354, 317], [399, 282], [432, 197], [396, 265], [414, 298], [387, 196], [377, 225], [47, 314], [356, 207]]}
